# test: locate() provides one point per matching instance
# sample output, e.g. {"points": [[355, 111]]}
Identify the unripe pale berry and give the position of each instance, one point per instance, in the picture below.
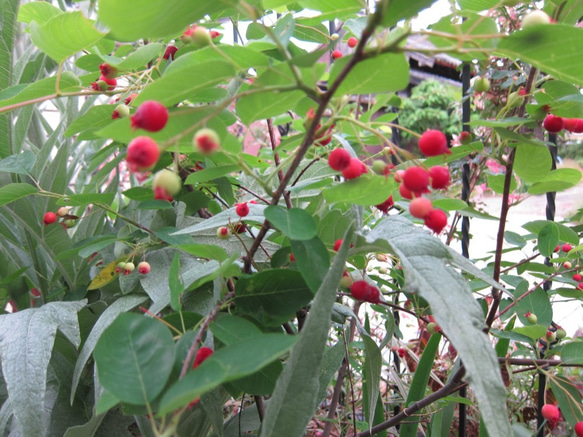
{"points": [[346, 281], [432, 327], [420, 207], [223, 233], [535, 18], [465, 137], [242, 209], [416, 179], [70, 223], [532, 318], [144, 267], [481, 85], [339, 159], [561, 333], [379, 166], [206, 141], [436, 220], [111, 83], [49, 218], [567, 265], [151, 116], [120, 111], [200, 37], [439, 177], [353, 170], [120, 267], [129, 267], [62, 211], [143, 153], [334, 36], [352, 42], [553, 124], [169, 181], [550, 336], [433, 143]]}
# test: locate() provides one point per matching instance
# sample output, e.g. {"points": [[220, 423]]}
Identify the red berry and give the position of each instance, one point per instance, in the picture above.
{"points": [[339, 159], [324, 138], [336, 54], [242, 209], [557, 248], [405, 192], [239, 228], [144, 267], [436, 220], [439, 177], [353, 170], [170, 52], [551, 413], [107, 71], [570, 124], [401, 351], [416, 179], [337, 244], [352, 42], [420, 207], [433, 143], [566, 247], [362, 290], [151, 116], [214, 34], [160, 193], [399, 176], [206, 140], [292, 258], [384, 207], [50, 218], [201, 355], [553, 124], [143, 153], [578, 128], [223, 233], [577, 277], [465, 137], [111, 83], [580, 286], [579, 429]]}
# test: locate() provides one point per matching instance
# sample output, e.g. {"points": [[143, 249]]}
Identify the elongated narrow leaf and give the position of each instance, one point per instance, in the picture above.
{"points": [[419, 384], [26, 344], [372, 376], [425, 259], [569, 398], [226, 364], [295, 398], [8, 27], [175, 283], [11, 192], [134, 358], [121, 305]]}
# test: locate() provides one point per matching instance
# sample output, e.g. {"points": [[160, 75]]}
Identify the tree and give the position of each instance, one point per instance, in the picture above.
{"points": [[157, 275]]}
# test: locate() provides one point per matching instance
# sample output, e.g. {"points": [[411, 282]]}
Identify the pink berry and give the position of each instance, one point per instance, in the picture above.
{"points": [[352, 42], [551, 413], [144, 267], [242, 209], [416, 179], [580, 285], [399, 176], [420, 207], [206, 141], [433, 143], [553, 124], [339, 159], [436, 220], [566, 247], [151, 116], [439, 177], [405, 192], [143, 153], [353, 170], [577, 277], [570, 124], [336, 54], [579, 429], [50, 218]]}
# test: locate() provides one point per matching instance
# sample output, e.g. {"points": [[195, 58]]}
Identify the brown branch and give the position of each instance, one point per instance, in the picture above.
{"points": [[276, 159]]}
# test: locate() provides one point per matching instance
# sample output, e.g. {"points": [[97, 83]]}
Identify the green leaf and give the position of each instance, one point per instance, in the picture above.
{"points": [[134, 358], [41, 12], [175, 283], [333, 9], [372, 376], [478, 5], [224, 218], [86, 199], [135, 19], [140, 58], [496, 183], [548, 238], [11, 192], [424, 258], [95, 118], [557, 180], [313, 260], [26, 343], [204, 251], [210, 173], [380, 74], [572, 353], [569, 398], [64, 35], [295, 223], [226, 364], [450, 204], [295, 398], [532, 163], [537, 45], [566, 234], [121, 305], [403, 9], [420, 381], [19, 164], [179, 85], [272, 296], [534, 332], [139, 194], [366, 190]]}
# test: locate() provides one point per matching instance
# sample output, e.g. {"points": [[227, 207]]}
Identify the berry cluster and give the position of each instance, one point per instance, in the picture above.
{"points": [[362, 290], [67, 220], [128, 267], [107, 81], [555, 124]]}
